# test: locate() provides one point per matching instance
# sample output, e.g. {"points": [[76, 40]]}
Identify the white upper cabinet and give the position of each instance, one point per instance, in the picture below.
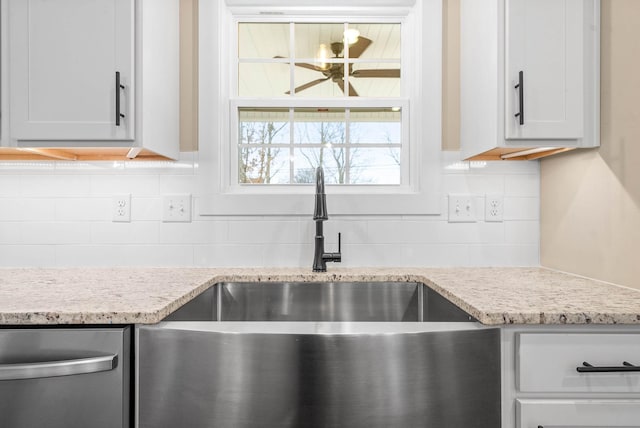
{"points": [[91, 79], [529, 77], [544, 45], [64, 57]]}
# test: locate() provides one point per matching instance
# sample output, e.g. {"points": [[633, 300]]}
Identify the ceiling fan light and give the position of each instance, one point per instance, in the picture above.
{"points": [[322, 56], [351, 36]]}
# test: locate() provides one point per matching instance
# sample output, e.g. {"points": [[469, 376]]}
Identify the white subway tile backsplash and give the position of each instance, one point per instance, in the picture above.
{"points": [[40, 256], [10, 186], [504, 255], [231, 255], [137, 185], [55, 186], [145, 209], [521, 208], [59, 214], [10, 233], [432, 255], [177, 183], [522, 232], [27, 209], [288, 255], [263, 232], [54, 233], [198, 232], [474, 183], [523, 185], [83, 209], [124, 255], [125, 233]]}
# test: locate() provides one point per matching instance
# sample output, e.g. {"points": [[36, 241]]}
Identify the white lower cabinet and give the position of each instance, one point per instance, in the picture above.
{"points": [[578, 413], [571, 376], [578, 362]]}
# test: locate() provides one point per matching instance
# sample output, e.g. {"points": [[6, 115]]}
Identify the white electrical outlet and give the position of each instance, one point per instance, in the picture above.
{"points": [[462, 208], [176, 208], [493, 207], [121, 207]]}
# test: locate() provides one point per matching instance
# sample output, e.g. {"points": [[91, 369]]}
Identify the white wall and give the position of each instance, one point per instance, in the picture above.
{"points": [[58, 214], [591, 199]]}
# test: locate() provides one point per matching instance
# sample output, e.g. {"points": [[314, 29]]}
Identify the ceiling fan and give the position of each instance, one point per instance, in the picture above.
{"points": [[335, 71]]}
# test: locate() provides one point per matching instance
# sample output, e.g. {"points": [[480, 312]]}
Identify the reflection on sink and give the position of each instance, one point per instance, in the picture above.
{"points": [[339, 301], [318, 355]]}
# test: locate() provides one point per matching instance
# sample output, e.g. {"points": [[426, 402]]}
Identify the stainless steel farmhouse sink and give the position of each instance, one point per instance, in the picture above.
{"points": [[323, 355]]}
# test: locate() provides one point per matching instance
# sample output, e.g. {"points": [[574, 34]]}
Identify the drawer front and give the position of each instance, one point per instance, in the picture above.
{"points": [[549, 362], [578, 413]]}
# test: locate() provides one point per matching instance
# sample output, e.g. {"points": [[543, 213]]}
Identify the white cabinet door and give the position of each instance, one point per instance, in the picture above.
{"points": [[578, 413], [63, 59], [549, 362], [544, 42]]}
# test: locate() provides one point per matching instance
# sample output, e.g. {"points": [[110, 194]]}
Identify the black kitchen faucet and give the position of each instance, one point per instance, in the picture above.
{"points": [[320, 258]]}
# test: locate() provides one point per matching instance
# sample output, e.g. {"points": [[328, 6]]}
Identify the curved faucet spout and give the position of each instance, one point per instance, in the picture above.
{"points": [[319, 180], [320, 211]]}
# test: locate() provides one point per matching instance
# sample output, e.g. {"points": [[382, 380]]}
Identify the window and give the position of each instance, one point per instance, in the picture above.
{"points": [[299, 87], [302, 65], [355, 146]]}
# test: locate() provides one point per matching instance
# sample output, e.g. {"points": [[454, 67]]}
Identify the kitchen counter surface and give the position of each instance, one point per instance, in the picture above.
{"points": [[494, 296]]}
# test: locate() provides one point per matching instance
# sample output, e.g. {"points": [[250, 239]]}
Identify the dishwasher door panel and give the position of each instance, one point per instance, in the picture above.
{"points": [[66, 378]]}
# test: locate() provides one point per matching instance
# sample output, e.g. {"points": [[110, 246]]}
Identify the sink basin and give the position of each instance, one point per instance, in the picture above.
{"points": [[318, 355], [341, 301]]}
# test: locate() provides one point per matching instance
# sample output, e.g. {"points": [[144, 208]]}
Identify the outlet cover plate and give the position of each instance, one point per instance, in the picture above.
{"points": [[121, 208], [176, 208], [493, 207]]}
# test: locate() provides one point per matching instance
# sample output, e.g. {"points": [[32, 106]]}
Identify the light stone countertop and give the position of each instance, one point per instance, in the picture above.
{"points": [[494, 296]]}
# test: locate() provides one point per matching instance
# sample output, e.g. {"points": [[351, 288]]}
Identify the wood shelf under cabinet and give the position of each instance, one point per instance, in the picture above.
{"points": [[517, 153], [77, 154]]}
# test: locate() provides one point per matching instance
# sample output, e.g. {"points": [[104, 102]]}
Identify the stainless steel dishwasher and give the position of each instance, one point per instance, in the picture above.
{"points": [[318, 355], [64, 378]]}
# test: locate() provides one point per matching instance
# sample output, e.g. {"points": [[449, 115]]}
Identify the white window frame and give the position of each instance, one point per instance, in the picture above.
{"points": [[421, 65]]}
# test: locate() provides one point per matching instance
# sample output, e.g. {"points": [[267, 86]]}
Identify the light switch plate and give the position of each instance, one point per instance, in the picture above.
{"points": [[176, 208], [462, 208]]}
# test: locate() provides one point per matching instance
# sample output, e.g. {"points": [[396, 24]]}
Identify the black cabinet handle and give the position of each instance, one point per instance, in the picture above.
{"points": [[520, 88], [119, 87], [625, 367]]}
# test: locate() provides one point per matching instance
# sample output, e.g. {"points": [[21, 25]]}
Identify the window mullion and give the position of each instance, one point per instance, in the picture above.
{"points": [[292, 154], [347, 149], [292, 55]]}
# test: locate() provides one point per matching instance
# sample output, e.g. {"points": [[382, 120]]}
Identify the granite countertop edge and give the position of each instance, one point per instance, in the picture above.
{"points": [[493, 296]]}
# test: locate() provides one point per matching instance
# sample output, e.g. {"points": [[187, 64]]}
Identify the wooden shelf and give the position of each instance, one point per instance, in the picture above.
{"points": [[511, 153], [77, 154]]}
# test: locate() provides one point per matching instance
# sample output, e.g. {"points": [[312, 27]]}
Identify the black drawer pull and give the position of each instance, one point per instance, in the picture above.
{"points": [[119, 87], [520, 88], [625, 367]]}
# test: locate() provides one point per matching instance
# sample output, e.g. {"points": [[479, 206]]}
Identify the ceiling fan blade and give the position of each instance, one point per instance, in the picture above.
{"points": [[308, 85], [356, 49], [386, 72], [305, 65], [352, 91]]}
